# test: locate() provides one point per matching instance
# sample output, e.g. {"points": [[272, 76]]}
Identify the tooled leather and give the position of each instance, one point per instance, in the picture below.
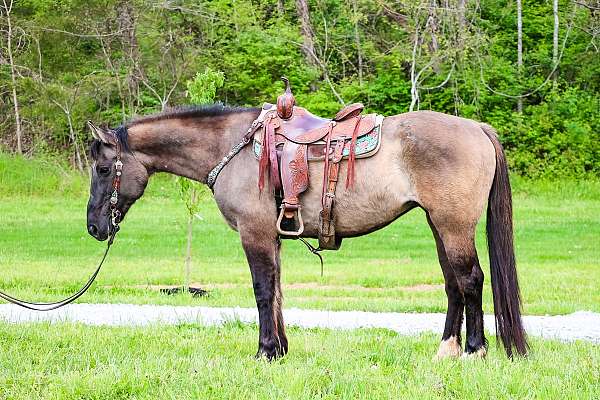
{"points": [[341, 130], [294, 171], [349, 111], [274, 173], [327, 228]]}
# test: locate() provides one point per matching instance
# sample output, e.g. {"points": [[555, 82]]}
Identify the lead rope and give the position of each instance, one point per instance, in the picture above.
{"points": [[316, 251], [57, 304], [114, 219]]}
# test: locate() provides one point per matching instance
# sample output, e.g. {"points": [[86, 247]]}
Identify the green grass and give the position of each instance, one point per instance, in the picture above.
{"points": [[47, 254], [188, 362]]}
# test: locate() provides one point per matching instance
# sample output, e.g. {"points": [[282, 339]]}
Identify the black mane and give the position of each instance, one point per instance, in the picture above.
{"points": [[194, 111], [182, 112]]}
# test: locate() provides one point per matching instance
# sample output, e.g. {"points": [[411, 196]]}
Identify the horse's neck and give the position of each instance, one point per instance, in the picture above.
{"points": [[187, 147]]}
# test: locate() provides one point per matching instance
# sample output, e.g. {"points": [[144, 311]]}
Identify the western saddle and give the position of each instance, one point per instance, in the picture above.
{"points": [[291, 136]]}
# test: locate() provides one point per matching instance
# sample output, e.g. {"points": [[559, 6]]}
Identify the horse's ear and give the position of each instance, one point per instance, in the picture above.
{"points": [[102, 134]]}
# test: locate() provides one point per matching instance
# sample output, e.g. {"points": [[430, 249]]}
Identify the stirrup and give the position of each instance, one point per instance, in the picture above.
{"points": [[300, 223]]}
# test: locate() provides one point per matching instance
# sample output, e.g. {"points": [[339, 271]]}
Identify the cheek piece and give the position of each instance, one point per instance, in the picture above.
{"points": [[115, 214]]}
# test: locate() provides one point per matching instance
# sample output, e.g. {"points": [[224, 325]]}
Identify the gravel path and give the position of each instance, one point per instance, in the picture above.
{"points": [[581, 325]]}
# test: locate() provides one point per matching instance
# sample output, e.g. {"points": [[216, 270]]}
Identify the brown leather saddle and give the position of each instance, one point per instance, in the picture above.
{"points": [[291, 136]]}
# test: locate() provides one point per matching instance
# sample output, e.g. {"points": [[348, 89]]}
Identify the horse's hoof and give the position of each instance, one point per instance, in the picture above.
{"points": [[263, 356], [267, 356], [271, 353], [477, 354], [449, 348]]}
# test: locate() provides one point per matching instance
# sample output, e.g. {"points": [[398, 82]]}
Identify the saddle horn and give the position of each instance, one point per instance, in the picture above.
{"points": [[286, 101]]}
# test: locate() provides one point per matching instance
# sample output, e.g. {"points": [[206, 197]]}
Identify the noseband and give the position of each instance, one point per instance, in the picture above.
{"points": [[114, 220]]}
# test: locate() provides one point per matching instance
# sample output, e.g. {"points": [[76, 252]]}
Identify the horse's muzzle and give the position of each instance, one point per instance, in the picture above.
{"points": [[98, 234]]}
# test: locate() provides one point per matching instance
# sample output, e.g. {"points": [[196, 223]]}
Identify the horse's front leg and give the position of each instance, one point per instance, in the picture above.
{"points": [[262, 251]]}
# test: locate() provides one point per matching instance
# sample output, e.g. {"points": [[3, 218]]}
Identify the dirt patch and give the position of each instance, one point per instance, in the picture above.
{"points": [[423, 287], [206, 286]]}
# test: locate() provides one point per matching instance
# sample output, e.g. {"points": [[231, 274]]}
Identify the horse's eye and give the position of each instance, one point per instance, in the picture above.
{"points": [[104, 170]]}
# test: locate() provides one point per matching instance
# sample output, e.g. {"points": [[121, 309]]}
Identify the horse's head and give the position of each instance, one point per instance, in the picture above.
{"points": [[107, 150]]}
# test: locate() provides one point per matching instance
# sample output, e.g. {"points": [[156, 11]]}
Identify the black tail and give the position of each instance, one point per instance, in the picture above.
{"points": [[505, 286]]}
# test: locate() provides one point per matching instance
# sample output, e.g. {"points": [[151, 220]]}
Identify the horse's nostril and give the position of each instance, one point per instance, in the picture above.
{"points": [[92, 229]]}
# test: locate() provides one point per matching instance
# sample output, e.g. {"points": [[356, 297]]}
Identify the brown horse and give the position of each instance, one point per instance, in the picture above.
{"points": [[449, 166]]}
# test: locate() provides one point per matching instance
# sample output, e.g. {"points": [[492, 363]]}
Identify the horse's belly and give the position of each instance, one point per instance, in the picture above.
{"points": [[381, 193]]}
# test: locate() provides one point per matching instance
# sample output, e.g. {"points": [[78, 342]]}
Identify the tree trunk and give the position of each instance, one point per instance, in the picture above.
{"points": [[75, 142], [127, 26], [432, 24], [357, 41], [308, 35], [414, 80], [188, 255], [555, 40], [188, 250], [519, 50], [113, 69], [13, 75], [462, 19]]}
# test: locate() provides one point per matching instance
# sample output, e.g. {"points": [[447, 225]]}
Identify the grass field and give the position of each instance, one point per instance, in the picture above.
{"points": [[45, 253], [188, 362]]}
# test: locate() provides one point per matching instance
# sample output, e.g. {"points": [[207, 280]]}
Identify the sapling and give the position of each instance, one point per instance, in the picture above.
{"points": [[192, 193], [201, 90]]}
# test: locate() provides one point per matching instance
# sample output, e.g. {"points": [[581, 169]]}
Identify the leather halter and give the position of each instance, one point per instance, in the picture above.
{"points": [[114, 220], [115, 214]]}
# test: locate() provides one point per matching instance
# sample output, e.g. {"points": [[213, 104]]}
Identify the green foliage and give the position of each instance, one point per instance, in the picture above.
{"points": [[192, 194], [558, 137], [109, 70], [203, 88]]}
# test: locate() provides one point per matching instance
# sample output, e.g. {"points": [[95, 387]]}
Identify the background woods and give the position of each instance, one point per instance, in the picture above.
{"points": [[530, 68]]}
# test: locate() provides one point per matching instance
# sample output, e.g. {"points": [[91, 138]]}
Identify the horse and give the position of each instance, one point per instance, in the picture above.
{"points": [[451, 167]]}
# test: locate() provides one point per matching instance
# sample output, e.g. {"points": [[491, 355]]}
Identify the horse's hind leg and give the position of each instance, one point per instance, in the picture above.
{"points": [[451, 338], [262, 251], [458, 240]]}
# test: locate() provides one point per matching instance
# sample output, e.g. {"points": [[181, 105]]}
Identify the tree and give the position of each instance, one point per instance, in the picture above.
{"points": [[201, 90], [7, 7], [555, 38], [308, 46], [356, 17], [519, 50], [308, 36], [451, 56], [68, 98], [192, 194]]}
